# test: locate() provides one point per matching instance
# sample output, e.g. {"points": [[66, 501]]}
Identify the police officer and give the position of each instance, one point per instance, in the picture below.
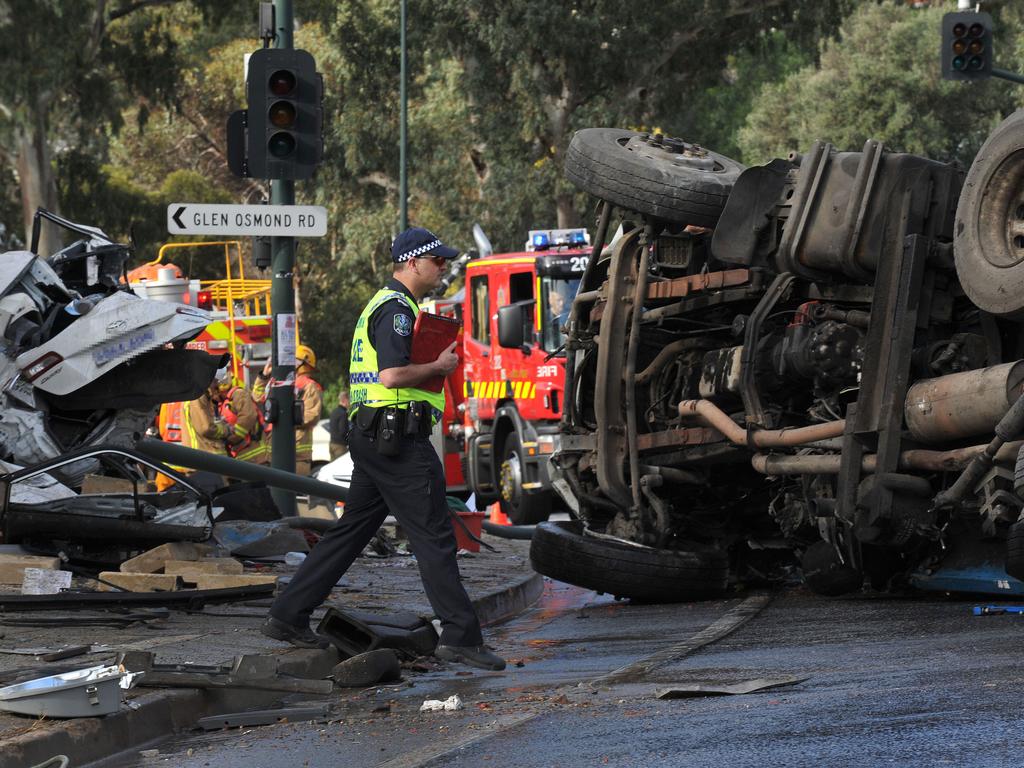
{"points": [[396, 468]]}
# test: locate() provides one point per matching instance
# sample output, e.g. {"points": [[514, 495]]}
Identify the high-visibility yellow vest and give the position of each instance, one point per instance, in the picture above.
{"points": [[363, 373]]}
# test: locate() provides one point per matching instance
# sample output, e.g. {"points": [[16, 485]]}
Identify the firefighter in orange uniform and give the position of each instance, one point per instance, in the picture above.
{"points": [[307, 391], [220, 419], [239, 411]]}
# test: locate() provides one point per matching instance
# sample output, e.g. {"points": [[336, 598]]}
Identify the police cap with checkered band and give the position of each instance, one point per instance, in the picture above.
{"points": [[417, 242]]}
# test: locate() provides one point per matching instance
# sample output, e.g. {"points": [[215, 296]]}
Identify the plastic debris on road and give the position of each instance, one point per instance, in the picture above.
{"points": [[451, 704]]}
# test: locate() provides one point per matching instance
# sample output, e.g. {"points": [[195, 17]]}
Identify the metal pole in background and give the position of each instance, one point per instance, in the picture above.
{"points": [[282, 299], [403, 189]]}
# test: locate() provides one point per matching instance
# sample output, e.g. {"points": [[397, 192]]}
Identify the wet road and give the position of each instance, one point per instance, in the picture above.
{"points": [[891, 682]]}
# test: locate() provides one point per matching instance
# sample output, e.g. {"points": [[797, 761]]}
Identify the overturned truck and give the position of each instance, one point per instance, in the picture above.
{"points": [[814, 362]]}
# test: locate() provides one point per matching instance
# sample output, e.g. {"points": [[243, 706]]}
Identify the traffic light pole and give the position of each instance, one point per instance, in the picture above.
{"points": [[403, 140], [282, 299], [1006, 74]]}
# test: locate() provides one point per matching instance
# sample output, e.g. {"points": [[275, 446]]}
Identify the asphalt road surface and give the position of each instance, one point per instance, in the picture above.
{"points": [[889, 682]]}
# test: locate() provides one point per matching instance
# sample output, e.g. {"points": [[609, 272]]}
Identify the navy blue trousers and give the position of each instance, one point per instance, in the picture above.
{"points": [[411, 486]]}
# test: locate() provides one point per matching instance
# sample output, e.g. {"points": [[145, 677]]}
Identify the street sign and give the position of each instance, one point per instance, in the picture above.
{"points": [[253, 220]]}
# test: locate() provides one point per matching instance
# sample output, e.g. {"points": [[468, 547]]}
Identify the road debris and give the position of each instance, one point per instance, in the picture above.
{"points": [[263, 717], [247, 671], [377, 666], [695, 690], [57, 761], [191, 599], [12, 566], [88, 692], [45, 581], [88, 618], [452, 704], [997, 610], [354, 633]]}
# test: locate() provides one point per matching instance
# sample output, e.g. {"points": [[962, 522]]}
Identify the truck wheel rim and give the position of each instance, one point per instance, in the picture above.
{"points": [[511, 479], [1004, 202]]}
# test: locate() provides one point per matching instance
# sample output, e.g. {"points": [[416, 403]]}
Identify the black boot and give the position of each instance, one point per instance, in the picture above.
{"points": [[476, 656], [301, 637]]}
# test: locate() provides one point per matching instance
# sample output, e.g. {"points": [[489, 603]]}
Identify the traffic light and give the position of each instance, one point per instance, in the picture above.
{"points": [[966, 46], [285, 114]]}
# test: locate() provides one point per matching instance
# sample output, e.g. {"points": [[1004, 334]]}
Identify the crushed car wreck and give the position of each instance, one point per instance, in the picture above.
{"points": [[85, 361], [817, 357]]}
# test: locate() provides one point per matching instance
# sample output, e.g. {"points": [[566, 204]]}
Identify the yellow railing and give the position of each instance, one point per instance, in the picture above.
{"points": [[253, 296]]}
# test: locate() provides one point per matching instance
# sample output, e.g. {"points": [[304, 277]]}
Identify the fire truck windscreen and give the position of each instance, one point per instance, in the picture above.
{"points": [[557, 294]]}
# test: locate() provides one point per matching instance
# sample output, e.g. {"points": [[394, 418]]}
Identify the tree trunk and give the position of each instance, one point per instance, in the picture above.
{"points": [[36, 177], [568, 216]]}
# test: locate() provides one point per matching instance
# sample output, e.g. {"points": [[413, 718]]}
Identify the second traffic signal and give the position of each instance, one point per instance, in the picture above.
{"points": [[285, 114], [966, 46]]}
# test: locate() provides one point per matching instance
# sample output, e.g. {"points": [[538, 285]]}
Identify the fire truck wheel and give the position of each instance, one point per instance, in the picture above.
{"points": [[988, 239], [656, 175], [562, 551], [521, 508]]}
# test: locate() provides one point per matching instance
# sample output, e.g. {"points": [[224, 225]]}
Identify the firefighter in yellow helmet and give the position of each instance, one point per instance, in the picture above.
{"points": [[222, 420], [307, 391]]}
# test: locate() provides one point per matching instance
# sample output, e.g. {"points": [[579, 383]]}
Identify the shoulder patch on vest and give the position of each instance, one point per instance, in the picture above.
{"points": [[403, 324]]}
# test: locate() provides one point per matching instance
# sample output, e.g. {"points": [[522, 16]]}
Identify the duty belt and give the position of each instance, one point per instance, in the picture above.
{"points": [[412, 419]]}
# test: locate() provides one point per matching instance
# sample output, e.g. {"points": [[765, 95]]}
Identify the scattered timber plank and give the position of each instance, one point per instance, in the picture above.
{"points": [[214, 565], [152, 561], [227, 581], [141, 582], [12, 567]]}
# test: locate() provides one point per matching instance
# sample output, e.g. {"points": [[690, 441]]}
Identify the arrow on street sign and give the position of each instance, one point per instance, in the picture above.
{"points": [[248, 220], [177, 216]]}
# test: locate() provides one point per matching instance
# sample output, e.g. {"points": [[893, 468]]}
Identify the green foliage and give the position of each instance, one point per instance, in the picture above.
{"points": [[110, 197], [715, 114], [882, 86]]}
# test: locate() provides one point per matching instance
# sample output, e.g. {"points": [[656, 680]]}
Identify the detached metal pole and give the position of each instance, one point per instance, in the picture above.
{"points": [[282, 299], [403, 182]]}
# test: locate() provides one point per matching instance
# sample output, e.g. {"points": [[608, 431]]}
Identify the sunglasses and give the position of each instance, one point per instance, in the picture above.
{"points": [[439, 261]]}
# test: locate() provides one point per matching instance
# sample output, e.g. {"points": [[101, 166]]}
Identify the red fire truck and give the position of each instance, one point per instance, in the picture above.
{"points": [[514, 370]]}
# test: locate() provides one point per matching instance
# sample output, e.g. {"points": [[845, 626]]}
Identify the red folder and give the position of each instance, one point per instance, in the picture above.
{"points": [[431, 336]]}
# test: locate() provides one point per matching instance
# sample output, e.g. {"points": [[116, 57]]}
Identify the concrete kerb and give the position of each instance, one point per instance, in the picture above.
{"points": [[161, 713]]}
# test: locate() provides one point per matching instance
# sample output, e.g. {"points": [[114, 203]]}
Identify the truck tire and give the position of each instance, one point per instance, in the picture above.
{"points": [[988, 240], [522, 508], [1015, 551], [825, 574], [662, 177], [1018, 474], [562, 551]]}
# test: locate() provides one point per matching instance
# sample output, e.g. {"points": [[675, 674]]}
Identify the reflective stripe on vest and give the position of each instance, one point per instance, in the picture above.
{"points": [[364, 376]]}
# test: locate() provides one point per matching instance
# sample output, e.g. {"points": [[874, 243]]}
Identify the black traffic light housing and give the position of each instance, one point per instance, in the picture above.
{"points": [[966, 46], [282, 129]]}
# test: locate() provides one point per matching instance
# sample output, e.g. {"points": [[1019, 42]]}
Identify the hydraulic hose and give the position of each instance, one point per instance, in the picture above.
{"points": [[524, 532]]}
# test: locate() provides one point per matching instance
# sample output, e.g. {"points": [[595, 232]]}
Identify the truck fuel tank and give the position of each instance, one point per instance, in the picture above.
{"points": [[963, 404]]}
